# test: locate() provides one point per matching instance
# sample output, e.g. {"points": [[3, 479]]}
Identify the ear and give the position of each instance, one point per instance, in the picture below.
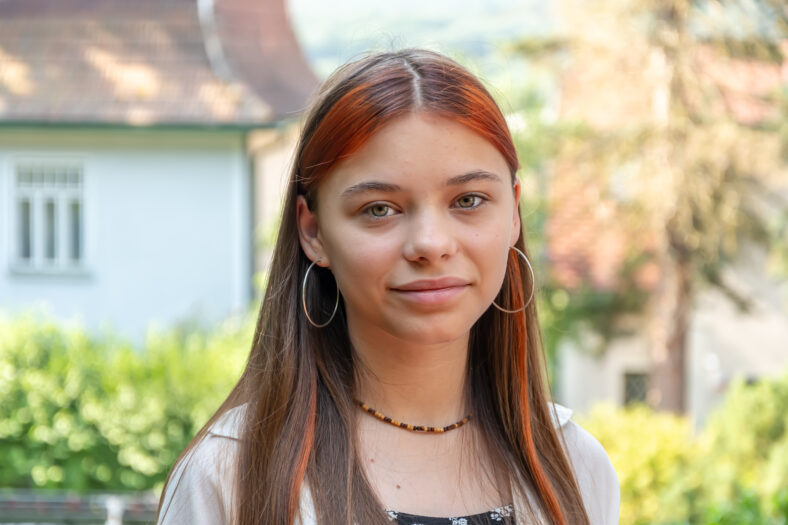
{"points": [[516, 228], [309, 234]]}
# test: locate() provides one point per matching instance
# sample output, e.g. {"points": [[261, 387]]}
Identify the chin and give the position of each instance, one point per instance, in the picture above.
{"points": [[434, 332]]}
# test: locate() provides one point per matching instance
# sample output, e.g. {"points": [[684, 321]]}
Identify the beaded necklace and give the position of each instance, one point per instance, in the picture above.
{"points": [[407, 426]]}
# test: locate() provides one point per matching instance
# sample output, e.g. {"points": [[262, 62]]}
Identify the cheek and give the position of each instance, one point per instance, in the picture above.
{"points": [[360, 263], [491, 254]]}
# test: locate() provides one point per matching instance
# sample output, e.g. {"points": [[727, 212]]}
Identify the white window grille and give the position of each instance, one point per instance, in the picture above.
{"points": [[49, 216]]}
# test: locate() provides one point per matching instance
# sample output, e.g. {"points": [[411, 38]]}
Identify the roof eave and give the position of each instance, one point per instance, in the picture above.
{"points": [[169, 126]]}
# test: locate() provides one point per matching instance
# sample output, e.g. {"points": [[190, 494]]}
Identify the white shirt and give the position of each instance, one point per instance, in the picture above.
{"points": [[199, 490]]}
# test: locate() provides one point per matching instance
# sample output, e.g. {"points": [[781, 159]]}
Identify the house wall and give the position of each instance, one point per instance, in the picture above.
{"points": [[730, 343], [167, 222], [586, 378], [723, 344], [272, 152]]}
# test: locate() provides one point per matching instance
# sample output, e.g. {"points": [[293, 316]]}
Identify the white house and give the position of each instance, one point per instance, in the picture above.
{"points": [[142, 149]]}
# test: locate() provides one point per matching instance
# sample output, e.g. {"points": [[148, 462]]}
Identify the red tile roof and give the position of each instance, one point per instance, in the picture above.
{"points": [[150, 62]]}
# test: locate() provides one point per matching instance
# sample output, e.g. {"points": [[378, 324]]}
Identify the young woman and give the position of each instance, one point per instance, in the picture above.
{"points": [[396, 373]]}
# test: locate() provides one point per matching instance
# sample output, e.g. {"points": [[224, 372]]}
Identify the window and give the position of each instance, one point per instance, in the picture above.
{"points": [[49, 232], [635, 387]]}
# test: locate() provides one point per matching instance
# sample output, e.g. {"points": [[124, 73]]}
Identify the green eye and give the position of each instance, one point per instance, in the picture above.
{"points": [[378, 210], [467, 201]]}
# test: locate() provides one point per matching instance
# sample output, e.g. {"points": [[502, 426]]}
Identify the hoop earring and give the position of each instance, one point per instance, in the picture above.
{"points": [[533, 284], [303, 300]]}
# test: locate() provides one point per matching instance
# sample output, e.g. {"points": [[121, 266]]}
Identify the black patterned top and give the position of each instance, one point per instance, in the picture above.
{"points": [[497, 516]]}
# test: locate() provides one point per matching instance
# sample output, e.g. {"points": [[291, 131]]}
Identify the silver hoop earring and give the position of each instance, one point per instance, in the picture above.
{"points": [[533, 284], [303, 299]]}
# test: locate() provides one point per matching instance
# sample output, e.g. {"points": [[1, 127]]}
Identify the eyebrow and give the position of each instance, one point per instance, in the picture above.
{"points": [[391, 188]]}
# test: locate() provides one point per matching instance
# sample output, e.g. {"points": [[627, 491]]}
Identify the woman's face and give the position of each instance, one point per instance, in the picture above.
{"points": [[416, 227]]}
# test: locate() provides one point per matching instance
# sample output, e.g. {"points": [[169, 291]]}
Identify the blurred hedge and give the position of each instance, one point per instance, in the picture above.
{"points": [[734, 471], [83, 413]]}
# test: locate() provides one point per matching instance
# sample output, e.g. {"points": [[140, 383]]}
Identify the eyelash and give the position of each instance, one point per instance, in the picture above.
{"points": [[367, 211]]}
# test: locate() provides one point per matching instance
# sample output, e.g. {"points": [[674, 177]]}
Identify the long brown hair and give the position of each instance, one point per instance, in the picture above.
{"points": [[298, 383]]}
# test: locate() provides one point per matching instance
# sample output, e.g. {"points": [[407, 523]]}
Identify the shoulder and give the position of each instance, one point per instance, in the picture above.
{"points": [[560, 414], [227, 430], [229, 424], [199, 491], [200, 488], [595, 473]]}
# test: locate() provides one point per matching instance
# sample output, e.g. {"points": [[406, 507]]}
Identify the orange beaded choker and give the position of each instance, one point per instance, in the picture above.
{"points": [[414, 428]]}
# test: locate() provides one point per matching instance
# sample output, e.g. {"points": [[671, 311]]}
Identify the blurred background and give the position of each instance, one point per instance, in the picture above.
{"points": [[143, 151]]}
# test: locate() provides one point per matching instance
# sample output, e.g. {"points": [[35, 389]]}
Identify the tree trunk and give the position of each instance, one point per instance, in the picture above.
{"points": [[668, 333]]}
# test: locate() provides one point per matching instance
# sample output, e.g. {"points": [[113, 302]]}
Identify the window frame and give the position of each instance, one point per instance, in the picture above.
{"points": [[39, 196], [640, 375]]}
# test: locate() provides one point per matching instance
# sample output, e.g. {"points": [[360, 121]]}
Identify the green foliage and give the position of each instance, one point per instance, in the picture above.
{"points": [[83, 413], [735, 471], [746, 507], [652, 453], [750, 441]]}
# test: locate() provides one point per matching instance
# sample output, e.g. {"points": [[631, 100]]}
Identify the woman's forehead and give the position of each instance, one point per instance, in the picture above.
{"points": [[419, 149]]}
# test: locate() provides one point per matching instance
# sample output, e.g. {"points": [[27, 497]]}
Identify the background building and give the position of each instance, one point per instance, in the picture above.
{"points": [[142, 148]]}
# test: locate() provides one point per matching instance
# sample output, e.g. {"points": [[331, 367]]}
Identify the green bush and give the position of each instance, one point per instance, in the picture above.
{"points": [[748, 441], [735, 471], [94, 413], [84, 413], [748, 507], [653, 455]]}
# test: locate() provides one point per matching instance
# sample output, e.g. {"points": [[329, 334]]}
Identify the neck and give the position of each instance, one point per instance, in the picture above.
{"points": [[414, 383]]}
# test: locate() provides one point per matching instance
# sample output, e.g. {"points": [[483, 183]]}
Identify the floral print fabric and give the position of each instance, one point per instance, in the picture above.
{"points": [[498, 516]]}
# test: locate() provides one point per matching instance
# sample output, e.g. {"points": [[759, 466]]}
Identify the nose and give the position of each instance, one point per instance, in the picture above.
{"points": [[430, 237]]}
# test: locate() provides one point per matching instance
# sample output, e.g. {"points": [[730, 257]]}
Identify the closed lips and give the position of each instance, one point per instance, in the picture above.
{"points": [[431, 284]]}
